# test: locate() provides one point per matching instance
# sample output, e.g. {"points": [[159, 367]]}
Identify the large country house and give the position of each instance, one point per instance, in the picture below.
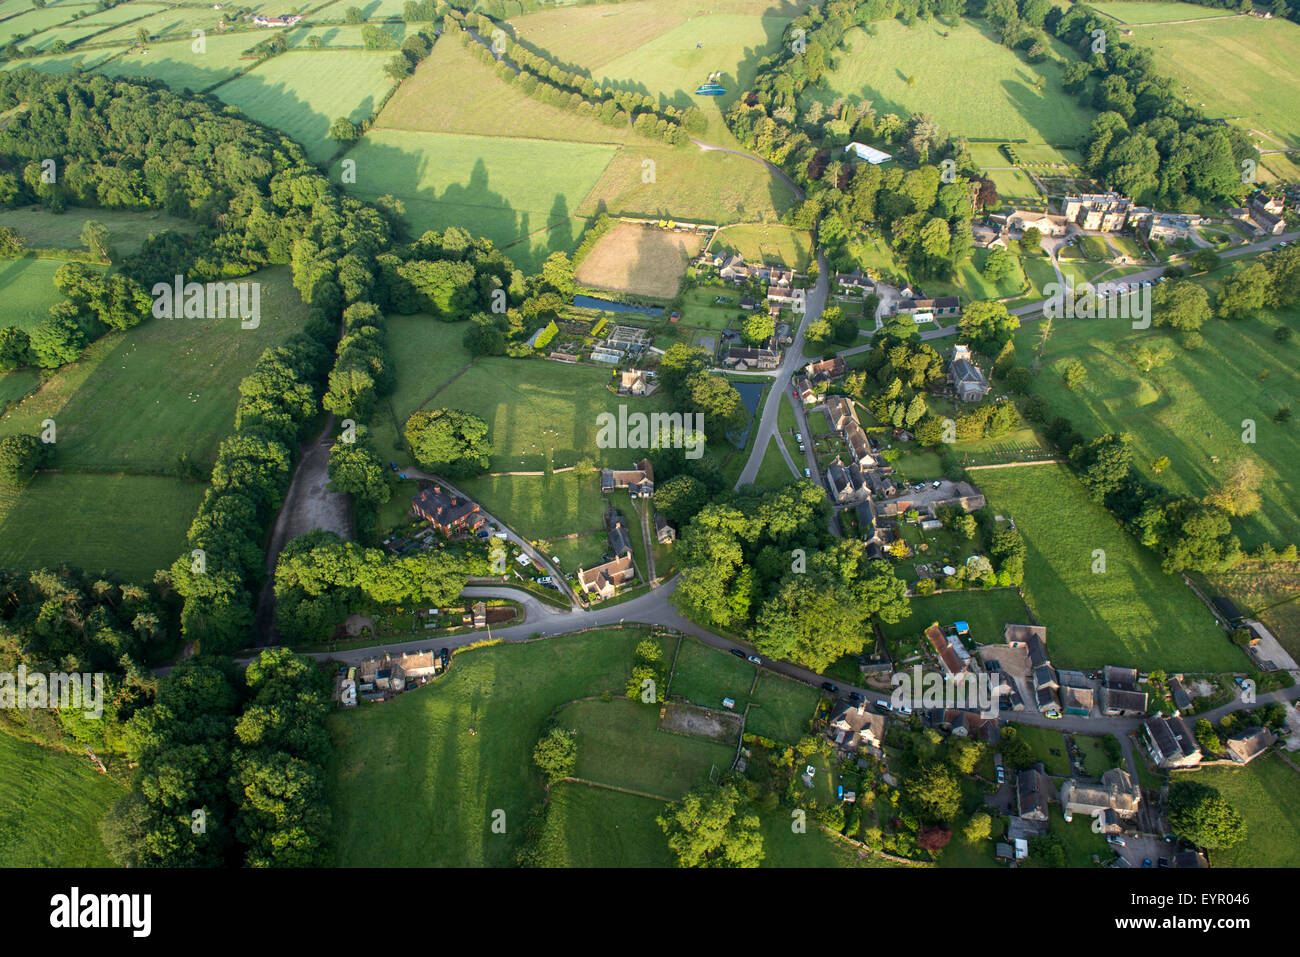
{"points": [[448, 512]]}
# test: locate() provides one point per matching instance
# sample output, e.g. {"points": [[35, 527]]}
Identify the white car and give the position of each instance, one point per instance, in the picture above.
{"points": [[807, 473], [798, 437]]}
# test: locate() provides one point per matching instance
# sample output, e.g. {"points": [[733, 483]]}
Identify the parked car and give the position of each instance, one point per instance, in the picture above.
{"points": [[754, 659], [1054, 715], [936, 483], [394, 466], [1002, 774], [798, 437], [1116, 840], [854, 696], [1146, 862], [738, 652], [883, 706], [904, 709], [827, 686], [807, 473], [444, 656]]}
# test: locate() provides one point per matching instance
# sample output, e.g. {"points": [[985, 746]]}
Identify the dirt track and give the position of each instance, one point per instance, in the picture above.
{"points": [[309, 505]]}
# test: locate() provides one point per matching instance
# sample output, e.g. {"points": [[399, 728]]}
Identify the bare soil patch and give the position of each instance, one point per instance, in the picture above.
{"points": [[721, 726], [641, 260]]}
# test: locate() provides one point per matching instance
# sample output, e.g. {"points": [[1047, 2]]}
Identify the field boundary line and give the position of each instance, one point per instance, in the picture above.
{"points": [[621, 790], [1013, 465]]}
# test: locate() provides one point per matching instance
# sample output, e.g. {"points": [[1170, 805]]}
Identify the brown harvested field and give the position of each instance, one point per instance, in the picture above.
{"points": [[640, 260], [451, 92]]}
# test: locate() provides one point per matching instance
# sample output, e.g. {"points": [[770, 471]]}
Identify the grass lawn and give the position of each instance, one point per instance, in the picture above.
{"points": [[581, 552], [539, 408], [1266, 793], [27, 286], [1238, 68], [620, 744], [50, 807], [781, 709], [127, 231], [1145, 12], [1191, 408], [541, 506], [139, 399], [595, 827], [987, 613], [705, 675], [64, 62], [998, 99], [773, 473], [15, 384], [1270, 593], [174, 22], [452, 92], [412, 766], [1078, 840], [139, 527], [1043, 741], [768, 243], [31, 21], [1096, 760], [521, 194], [179, 66], [427, 353], [301, 94], [1133, 613]]}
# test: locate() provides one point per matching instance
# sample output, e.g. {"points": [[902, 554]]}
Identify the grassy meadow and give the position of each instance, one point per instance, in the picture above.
{"points": [[1191, 408], [1266, 793], [998, 98], [301, 94], [1133, 613], [51, 806], [139, 399], [27, 286]]}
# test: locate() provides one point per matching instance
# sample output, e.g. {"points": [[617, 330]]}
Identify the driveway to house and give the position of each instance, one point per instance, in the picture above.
{"points": [[791, 362], [511, 535]]}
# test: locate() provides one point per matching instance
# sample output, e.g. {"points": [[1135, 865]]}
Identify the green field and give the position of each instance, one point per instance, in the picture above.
{"points": [[139, 399], [173, 23], [521, 194], [427, 354], [134, 524], [768, 243], [411, 766], [773, 473], [341, 36], [542, 506], [985, 90], [1266, 793], [596, 827], [780, 709], [1141, 13], [127, 231], [64, 62], [705, 676], [301, 94], [1133, 613], [27, 286], [1190, 408], [987, 613], [50, 807], [31, 21], [178, 65], [1240, 68], [620, 745]]}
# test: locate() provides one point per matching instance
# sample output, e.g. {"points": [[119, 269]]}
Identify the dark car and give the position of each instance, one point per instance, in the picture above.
{"points": [[394, 466], [738, 652], [1146, 862], [827, 686], [854, 696], [444, 656]]}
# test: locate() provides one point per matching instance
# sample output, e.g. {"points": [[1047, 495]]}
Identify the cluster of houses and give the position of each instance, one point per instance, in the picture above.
{"points": [[280, 20], [388, 675], [1093, 212], [619, 567], [1263, 215]]}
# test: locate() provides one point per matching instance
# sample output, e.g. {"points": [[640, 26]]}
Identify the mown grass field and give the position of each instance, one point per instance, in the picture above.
{"points": [[521, 194], [773, 472], [173, 22], [127, 231], [705, 676], [31, 20], [302, 93], [1240, 68], [1266, 793], [50, 807], [27, 286], [967, 81], [176, 63], [781, 709], [64, 62], [427, 354], [348, 36], [542, 506], [1141, 13], [620, 745], [134, 524], [411, 766], [1191, 408], [596, 827], [453, 92], [1133, 613], [139, 399], [639, 260], [766, 242]]}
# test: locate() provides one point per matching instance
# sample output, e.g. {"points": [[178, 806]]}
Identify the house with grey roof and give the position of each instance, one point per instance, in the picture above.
{"points": [[1171, 742], [965, 377]]}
